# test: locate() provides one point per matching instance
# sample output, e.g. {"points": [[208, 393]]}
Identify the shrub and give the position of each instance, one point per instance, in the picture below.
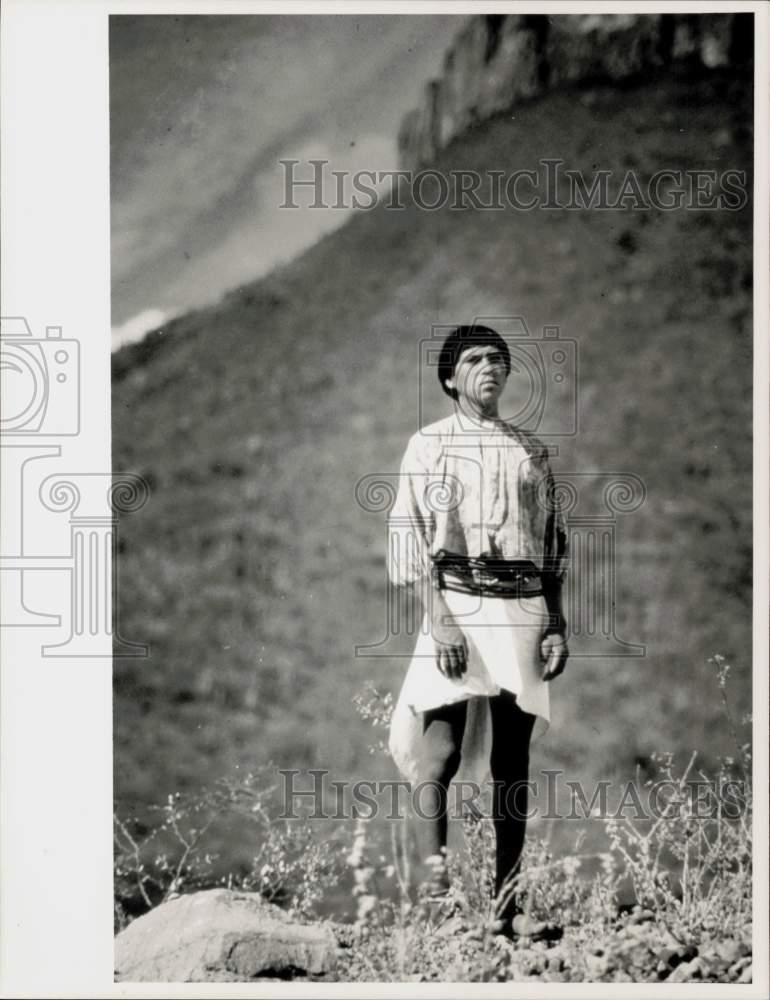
{"points": [[291, 865]]}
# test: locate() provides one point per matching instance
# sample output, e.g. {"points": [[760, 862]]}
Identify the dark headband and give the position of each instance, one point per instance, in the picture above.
{"points": [[461, 338]]}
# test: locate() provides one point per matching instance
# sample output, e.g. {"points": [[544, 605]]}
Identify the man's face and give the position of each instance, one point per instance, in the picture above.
{"points": [[479, 375]]}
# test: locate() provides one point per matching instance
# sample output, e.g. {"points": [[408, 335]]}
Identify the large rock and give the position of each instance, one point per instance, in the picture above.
{"points": [[418, 136], [705, 37], [220, 936], [496, 61], [584, 47], [515, 71]]}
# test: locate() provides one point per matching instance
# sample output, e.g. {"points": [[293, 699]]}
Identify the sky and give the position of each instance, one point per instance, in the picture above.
{"points": [[203, 108]]}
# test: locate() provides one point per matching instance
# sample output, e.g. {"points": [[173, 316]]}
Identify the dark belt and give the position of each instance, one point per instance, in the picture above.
{"points": [[486, 575]]}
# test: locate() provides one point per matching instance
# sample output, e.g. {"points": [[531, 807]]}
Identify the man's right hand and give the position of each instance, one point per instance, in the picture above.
{"points": [[451, 645]]}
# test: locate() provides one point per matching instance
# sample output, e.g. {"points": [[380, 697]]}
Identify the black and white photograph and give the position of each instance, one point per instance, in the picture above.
{"points": [[427, 559]]}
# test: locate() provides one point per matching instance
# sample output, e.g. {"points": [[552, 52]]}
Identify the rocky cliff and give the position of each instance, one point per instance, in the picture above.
{"points": [[499, 60]]}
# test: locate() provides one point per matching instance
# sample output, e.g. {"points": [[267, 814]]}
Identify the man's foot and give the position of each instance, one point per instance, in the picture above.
{"points": [[435, 903]]}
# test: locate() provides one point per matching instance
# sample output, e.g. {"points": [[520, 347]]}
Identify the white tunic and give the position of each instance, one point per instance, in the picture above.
{"points": [[474, 489]]}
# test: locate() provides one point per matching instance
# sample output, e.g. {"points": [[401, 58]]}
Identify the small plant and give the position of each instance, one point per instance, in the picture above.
{"points": [[377, 708], [693, 865], [292, 864]]}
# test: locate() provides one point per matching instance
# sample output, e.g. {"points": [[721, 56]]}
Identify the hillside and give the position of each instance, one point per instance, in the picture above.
{"points": [[252, 573]]}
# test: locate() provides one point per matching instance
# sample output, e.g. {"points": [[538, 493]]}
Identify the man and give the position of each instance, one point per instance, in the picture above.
{"points": [[477, 521]]}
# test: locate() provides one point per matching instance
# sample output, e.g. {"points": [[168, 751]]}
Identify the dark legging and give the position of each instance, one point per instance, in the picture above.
{"points": [[440, 759]]}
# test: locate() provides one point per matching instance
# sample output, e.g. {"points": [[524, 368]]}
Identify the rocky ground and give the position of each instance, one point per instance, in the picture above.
{"points": [[638, 949], [222, 935]]}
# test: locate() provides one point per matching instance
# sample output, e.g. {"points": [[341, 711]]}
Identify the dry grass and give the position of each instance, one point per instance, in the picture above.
{"points": [[689, 871]]}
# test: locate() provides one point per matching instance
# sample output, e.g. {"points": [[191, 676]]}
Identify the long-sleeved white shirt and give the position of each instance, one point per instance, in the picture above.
{"points": [[484, 491]]}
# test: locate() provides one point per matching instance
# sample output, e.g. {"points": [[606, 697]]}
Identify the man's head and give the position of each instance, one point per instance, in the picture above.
{"points": [[474, 362]]}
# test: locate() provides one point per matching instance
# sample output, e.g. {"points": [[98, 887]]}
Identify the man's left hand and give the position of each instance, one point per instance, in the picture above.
{"points": [[554, 654]]}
